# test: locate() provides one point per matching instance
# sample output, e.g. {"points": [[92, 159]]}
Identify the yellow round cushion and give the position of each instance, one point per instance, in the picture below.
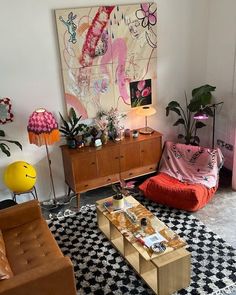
{"points": [[20, 176]]}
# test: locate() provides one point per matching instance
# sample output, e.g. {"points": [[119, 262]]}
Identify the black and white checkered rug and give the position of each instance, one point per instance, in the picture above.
{"points": [[99, 268]]}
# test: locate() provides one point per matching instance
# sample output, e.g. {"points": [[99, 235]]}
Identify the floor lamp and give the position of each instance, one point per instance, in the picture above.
{"points": [[146, 111], [43, 130], [202, 115]]}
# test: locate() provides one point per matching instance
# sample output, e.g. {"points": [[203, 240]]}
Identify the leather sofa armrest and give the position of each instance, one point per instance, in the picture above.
{"points": [[19, 214], [55, 277]]}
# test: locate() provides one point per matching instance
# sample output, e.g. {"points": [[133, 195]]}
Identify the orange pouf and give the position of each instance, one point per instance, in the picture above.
{"points": [[169, 191]]}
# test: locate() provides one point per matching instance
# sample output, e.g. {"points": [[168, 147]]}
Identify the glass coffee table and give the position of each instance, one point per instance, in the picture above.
{"points": [[165, 272]]}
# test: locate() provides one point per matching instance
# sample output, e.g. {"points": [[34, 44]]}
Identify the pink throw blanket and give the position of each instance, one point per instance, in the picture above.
{"points": [[192, 164]]}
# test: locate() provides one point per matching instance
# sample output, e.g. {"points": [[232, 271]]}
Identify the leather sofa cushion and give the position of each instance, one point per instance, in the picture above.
{"points": [[30, 245], [5, 270]]}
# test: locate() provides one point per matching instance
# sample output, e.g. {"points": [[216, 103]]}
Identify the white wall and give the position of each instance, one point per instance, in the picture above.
{"points": [[30, 70], [221, 68]]}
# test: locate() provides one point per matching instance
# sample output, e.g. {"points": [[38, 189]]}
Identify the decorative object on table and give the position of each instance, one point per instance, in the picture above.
{"points": [[102, 124], [158, 247], [203, 114], [118, 201], [109, 206], [87, 136], [215, 275], [141, 93], [113, 120], [112, 46], [43, 130], [20, 177], [6, 116], [71, 128], [146, 111], [127, 132], [135, 133], [97, 142], [143, 223], [201, 97]]}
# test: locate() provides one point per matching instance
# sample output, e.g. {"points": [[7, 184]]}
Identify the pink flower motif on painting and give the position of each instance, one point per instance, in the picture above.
{"points": [[140, 92], [147, 14]]}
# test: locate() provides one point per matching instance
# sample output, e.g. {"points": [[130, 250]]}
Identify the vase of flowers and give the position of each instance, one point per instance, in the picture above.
{"points": [[113, 121]]}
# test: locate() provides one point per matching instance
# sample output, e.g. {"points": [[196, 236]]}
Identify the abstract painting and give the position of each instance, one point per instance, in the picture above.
{"points": [[103, 49]]}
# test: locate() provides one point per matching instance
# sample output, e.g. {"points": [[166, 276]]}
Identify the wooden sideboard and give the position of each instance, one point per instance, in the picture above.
{"points": [[90, 167]]}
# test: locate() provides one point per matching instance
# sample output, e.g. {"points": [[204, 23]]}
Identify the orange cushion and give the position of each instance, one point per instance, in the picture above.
{"points": [[169, 191], [5, 270]]}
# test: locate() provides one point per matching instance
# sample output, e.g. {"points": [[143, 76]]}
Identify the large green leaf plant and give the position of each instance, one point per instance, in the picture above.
{"points": [[72, 127], [201, 99], [4, 144]]}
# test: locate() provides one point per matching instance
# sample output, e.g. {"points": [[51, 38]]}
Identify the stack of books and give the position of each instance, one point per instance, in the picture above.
{"points": [[109, 206]]}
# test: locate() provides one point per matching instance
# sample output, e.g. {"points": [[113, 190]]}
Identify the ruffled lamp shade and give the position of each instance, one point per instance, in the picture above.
{"points": [[43, 128]]}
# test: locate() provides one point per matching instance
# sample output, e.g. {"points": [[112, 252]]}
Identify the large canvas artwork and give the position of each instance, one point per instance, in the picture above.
{"points": [[104, 49]]}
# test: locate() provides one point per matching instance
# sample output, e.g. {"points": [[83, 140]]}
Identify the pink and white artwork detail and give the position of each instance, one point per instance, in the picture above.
{"points": [[102, 50]]}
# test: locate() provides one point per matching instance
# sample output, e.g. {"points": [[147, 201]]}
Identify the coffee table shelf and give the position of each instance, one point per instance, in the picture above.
{"points": [[165, 273]]}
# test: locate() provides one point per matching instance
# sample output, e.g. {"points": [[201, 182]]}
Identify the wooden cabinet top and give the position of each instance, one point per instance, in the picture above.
{"points": [[126, 140]]}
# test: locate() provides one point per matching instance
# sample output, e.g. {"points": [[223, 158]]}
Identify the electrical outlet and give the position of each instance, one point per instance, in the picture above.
{"points": [[229, 147], [220, 143]]}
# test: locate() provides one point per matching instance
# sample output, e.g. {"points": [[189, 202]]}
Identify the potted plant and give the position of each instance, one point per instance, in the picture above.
{"points": [[201, 98], [4, 144], [71, 128]]}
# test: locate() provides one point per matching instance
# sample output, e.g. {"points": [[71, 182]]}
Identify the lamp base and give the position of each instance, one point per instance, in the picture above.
{"points": [[146, 130]]}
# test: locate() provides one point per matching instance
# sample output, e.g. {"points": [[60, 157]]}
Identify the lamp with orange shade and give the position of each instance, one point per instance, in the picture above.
{"points": [[43, 130]]}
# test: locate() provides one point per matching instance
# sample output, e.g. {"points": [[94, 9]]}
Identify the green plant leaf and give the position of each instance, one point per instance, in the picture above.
{"points": [[180, 136], [168, 109], [202, 90], [173, 104], [201, 96], [64, 122], [179, 121], [72, 114], [2, 133], [12, 141], [5, 149], [199, 124], [208, 110], [196, 140]]}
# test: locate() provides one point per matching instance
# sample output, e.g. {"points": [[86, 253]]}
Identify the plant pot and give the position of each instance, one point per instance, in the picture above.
{"points": [[71, 143], [118, 202]]}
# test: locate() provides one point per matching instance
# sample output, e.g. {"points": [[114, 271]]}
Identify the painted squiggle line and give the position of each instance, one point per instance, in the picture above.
{"points": [[117, 49], [94, 33]]}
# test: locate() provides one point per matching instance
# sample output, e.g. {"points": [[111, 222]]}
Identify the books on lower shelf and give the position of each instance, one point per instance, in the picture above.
{"points": [[109, 206]]}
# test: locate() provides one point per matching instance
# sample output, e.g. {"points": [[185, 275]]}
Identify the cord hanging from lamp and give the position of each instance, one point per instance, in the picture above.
{"points": [[43, 130]]}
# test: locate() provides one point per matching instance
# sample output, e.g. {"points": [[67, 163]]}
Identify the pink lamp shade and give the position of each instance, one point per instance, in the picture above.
{"points": [[43, 128]]}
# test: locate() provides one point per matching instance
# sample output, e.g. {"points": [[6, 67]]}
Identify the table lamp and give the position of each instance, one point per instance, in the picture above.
{"points": [[146, 111], [43, 130]]}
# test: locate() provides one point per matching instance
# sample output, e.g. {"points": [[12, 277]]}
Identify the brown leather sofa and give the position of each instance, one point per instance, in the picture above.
{"points": [[31, 263]]}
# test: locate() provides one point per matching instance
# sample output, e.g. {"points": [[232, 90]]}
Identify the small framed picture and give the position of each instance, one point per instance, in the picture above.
{"points": [[140, 93]]}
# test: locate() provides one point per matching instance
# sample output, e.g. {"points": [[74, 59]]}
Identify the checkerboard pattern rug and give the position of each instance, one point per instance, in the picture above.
{"points": [[100, 269]]}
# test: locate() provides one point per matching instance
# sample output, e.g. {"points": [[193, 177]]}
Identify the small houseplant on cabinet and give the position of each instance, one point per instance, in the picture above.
{"points": [[201, 98], [71, 128]]}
